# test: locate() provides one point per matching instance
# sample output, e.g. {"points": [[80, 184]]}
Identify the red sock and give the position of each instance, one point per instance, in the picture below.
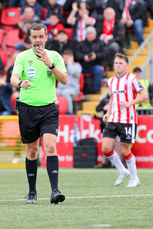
{"points": [[110, 153], [129, 156]]}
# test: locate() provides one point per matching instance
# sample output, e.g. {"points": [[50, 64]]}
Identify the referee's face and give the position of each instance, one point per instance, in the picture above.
{"points": [[38, 37], [120, 66]]}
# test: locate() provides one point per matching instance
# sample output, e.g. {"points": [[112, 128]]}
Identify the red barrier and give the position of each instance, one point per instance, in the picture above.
{"points": [[87, 127], [143, 148]]}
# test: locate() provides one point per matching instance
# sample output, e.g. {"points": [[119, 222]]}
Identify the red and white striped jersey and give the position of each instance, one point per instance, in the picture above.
{"points": [[124, 88], [81, 28]]}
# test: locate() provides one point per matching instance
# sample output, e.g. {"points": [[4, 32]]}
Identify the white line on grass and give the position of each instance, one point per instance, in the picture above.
{"points": [[101, 225], [86, 197]]}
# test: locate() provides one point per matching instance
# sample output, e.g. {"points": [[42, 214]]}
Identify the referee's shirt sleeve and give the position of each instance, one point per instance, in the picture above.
{"points": [[18, 65]]}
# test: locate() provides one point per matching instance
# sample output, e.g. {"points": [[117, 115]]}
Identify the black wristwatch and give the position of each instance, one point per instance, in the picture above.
{"points": [[53, 66], [20, 82]]}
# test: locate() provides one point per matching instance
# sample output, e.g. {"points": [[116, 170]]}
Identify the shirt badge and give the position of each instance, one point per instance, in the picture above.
{"points": [[31, 72]]}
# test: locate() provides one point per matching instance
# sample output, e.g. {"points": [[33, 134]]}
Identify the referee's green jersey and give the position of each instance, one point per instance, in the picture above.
{"points": [[43, 89]]}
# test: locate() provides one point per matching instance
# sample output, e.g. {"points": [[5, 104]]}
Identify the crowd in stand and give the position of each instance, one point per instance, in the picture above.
{"points": [[97, 28]]}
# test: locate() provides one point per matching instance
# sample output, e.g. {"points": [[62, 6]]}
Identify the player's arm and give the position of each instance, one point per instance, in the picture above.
{"points": [[143, 97], [106, 116], [17, 83]]}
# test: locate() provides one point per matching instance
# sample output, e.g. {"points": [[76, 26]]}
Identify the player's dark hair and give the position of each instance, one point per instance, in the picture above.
{"points": [[38, 26], [122, 56]]}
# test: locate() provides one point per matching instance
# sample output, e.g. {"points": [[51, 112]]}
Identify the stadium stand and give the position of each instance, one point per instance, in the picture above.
{"points": [[9, 17], [9, 136], [88, 107], [11, 39], [87, 104]]}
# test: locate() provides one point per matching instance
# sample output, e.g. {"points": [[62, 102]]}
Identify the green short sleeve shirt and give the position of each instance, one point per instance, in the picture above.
{"points": [[43, 89]]}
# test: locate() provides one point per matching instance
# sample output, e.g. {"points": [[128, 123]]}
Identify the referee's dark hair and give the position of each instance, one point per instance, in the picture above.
{"points": [[122, 56], [38, 26]]}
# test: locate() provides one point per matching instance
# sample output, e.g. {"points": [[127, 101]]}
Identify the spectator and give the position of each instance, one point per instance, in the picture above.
{"points": [[97, 8], [61, 2], [80, 21], [27, 19], [149, 7], [43, 3], [115, 4], [35, 5], [3, 4], [67, 6], [54, 27], [5, 96], [61, 43], [90, 53], [145, 83], [54, 8], [72, 88], [14, 3], [112, 32], [134, 16]]}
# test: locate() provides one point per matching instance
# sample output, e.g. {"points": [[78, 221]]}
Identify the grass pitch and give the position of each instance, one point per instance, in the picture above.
{"points": [[91, 202]]}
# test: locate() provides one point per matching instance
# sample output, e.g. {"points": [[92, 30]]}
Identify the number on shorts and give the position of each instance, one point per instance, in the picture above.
{"points": [[128, 131]]}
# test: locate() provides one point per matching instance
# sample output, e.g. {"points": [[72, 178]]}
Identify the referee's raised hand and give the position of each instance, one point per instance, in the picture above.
{"points": [[43, 56]]}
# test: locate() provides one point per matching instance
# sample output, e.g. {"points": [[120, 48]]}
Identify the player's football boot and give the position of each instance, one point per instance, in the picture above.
{"points": [[133, 183], [121, 178], [57, 197], [31, 198]]}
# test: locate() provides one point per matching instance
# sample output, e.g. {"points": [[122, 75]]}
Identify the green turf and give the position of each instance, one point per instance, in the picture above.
{"points": [[92, 201]]}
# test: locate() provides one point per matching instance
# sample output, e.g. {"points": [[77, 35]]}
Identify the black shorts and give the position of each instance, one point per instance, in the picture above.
{"points": [[126, 132], [34, 121]]}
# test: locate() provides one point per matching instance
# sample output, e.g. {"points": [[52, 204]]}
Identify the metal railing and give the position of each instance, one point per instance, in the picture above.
{"points": [[144, 110], [149, 60]]}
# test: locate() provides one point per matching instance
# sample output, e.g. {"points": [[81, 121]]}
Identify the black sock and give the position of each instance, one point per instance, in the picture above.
{"points": [[52, 169], [31, 169]]}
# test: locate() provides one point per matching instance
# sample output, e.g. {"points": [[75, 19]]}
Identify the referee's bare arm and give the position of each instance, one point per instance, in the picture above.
{"points": [[60, 75], [17, 83]]}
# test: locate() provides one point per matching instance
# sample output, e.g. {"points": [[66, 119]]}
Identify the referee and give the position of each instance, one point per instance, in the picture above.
{"points": [[35, 72]]}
